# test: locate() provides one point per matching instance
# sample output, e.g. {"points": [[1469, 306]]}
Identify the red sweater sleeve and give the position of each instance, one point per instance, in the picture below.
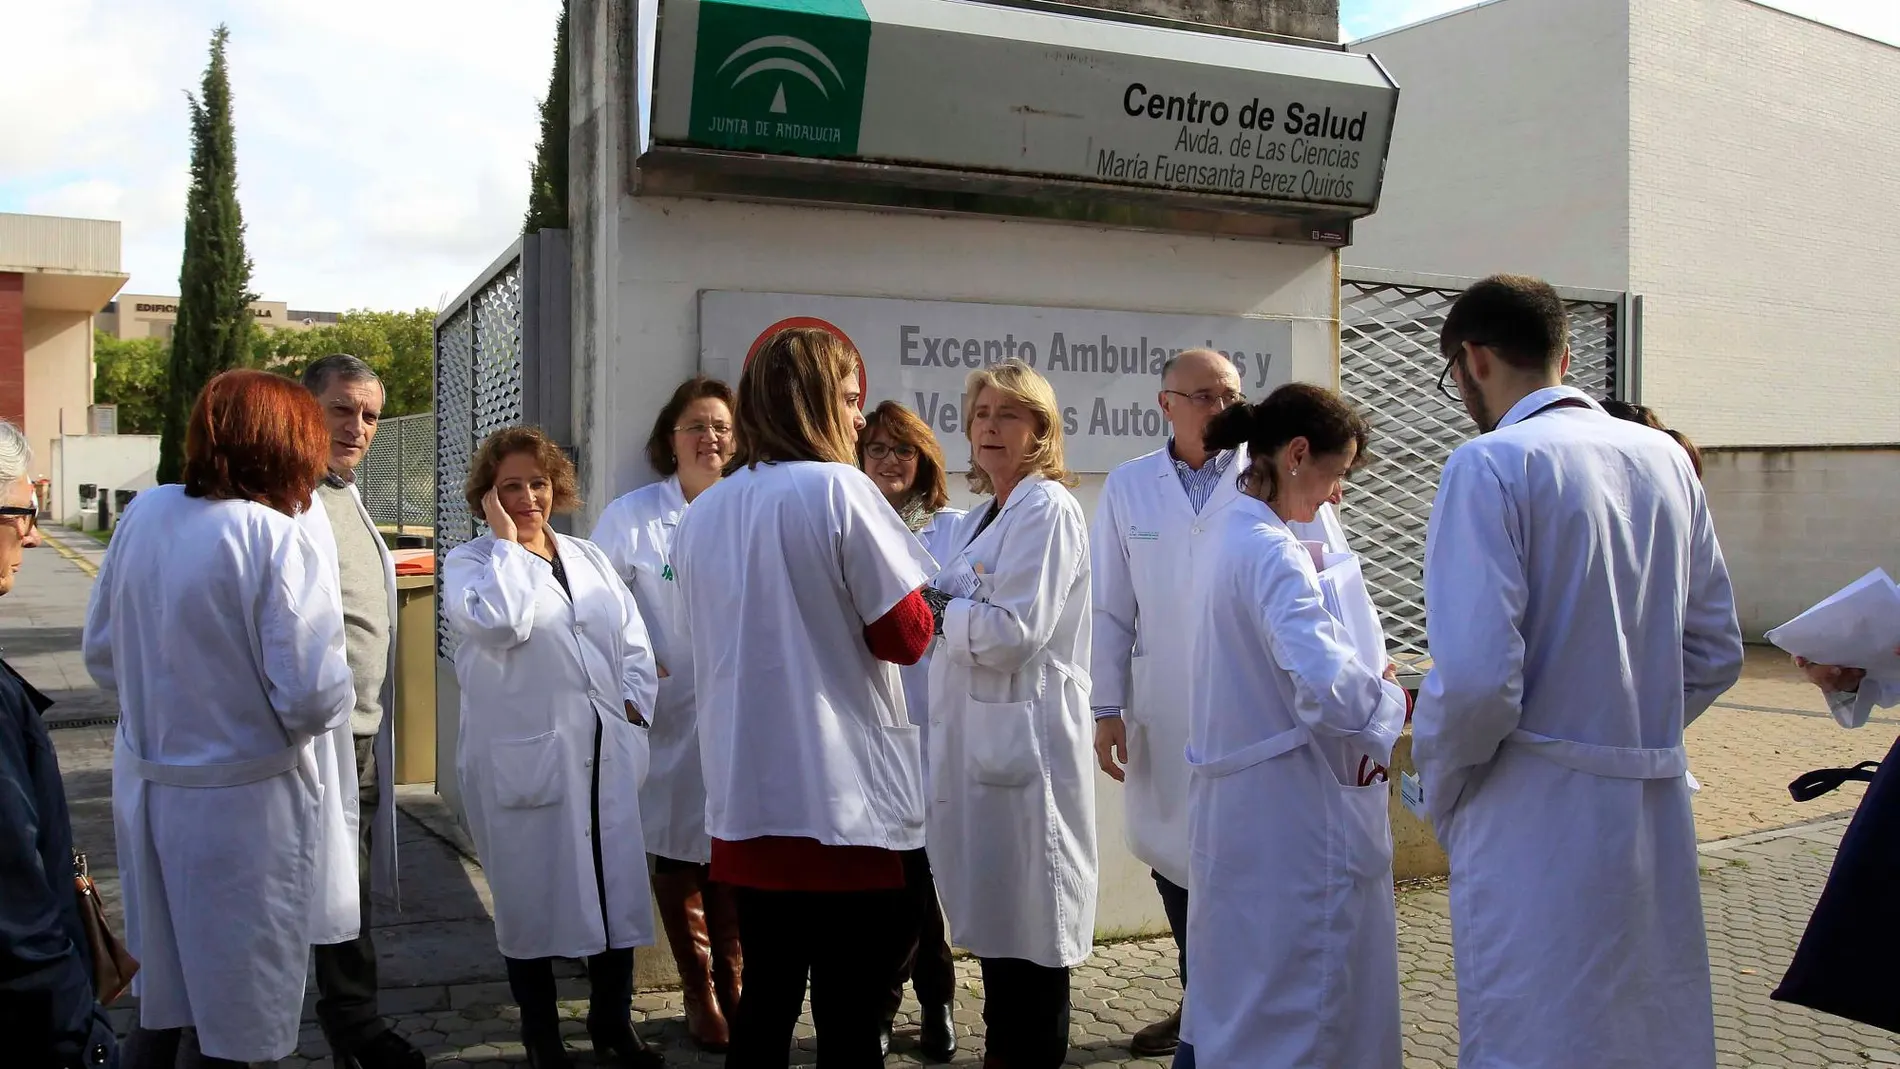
{"points": [[901, 635]]}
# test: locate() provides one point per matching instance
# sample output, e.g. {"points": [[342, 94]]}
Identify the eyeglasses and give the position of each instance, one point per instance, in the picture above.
{"points": [[718, 430], [27, 512], [879, 451], [1448, 385], [1211, 399]]}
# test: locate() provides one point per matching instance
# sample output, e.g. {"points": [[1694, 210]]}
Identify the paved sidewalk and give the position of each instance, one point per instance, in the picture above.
{"points": [[442, 975]]}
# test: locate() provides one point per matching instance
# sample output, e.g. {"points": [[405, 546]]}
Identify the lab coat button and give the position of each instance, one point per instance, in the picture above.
{"points": [[593, 694], [578, 628]]}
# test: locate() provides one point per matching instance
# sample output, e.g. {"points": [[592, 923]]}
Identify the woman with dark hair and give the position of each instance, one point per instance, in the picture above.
{"points": [[1290, 727], [689, 446], [556, 678], [216, 617], [900, 454], [801, 598], [1646, 416]]}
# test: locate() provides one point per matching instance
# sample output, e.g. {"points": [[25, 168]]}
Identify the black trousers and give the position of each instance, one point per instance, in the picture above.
{"points": [[1025, 1014], [1174, 902], [848, 944], [346, 972], [929, 967], [609, 990]]}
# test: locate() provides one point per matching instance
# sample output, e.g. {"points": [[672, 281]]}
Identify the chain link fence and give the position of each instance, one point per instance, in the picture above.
{"points": [[1389, 366], [397, 476]]}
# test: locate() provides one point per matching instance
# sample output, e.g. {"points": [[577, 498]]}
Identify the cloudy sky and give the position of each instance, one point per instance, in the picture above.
{"points": [[383, 145]]}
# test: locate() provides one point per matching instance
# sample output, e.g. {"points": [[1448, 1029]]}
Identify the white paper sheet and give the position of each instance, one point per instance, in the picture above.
{"points": [[1858, 626], [958, 580]]}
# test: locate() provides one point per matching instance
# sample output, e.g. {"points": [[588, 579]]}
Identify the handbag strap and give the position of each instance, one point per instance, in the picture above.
{"points": [[1811, 785]]}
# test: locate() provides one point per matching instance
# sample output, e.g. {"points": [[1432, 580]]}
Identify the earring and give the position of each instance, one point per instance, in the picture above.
{"points": [[1295, 471]]}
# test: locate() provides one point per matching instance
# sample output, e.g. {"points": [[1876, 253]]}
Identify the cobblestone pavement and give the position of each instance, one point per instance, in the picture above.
{"points": [[1757, 893], [439, 964]]}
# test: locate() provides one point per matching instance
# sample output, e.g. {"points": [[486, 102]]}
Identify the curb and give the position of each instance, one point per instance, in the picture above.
{"points": [[64, 550]]}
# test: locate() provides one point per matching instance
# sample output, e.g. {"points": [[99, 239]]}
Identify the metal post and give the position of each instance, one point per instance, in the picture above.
{"points": [[401, 477]]}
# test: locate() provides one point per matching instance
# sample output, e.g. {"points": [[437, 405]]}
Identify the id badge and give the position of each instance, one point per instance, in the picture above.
{"points": [[1412, 793]]}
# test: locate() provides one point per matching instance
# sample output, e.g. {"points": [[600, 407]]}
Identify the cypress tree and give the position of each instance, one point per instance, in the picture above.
{"points": [[547, 182], [214, 319]]}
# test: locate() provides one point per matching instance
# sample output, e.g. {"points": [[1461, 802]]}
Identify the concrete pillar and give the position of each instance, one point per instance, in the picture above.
{"points": [[13, 348], [1315, 20]]}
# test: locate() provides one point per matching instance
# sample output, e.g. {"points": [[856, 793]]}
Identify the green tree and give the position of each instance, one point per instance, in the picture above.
{"points": [[547, 182], [398, 346], [214, 321], [130, 373]]}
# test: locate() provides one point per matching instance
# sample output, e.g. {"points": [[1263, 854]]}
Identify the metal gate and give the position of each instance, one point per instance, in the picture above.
{"points": [[1389, 366], [501, 358]]}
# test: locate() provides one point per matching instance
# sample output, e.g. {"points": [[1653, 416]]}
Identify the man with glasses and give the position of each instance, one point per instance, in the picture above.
{"points": [[351, 397], [1580, 617], [1148, 525]]}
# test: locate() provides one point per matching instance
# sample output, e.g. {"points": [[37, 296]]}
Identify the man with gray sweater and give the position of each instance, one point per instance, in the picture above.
{"points": [[351, 397]]}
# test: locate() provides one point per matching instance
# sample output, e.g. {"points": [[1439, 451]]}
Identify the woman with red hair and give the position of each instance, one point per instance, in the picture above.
{"points": [[216, 618]]}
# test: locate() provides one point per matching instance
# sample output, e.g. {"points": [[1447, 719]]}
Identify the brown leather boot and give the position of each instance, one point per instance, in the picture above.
{"points": [[728, 964], [683, 914]]}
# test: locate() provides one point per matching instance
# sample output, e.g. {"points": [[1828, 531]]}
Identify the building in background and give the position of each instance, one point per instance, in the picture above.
{"points": [[1735, 166], [54, 274], [144, 315]]}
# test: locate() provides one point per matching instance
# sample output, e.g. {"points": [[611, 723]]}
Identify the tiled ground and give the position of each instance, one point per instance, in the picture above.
{"points": [[1757, 892]]}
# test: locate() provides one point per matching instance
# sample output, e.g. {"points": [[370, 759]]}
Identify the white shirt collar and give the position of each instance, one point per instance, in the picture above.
{"points": [[1537, 400]]}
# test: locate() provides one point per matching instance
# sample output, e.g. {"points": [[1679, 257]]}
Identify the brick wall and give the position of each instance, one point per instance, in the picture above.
{"points": [[13, 347], [1764, 173]]}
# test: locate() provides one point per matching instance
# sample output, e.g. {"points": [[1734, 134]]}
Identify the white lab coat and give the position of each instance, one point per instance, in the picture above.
{"points": [[382, 861], [1290, 916], [802, 732], [1143, 544], [939, 538], [544, 676], [1012, 770], [1851, 709], [234, 778], [1580, 617], [636, 532]]}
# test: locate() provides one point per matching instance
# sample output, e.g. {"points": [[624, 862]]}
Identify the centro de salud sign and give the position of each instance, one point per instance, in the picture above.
{"points": [[972, 87]]}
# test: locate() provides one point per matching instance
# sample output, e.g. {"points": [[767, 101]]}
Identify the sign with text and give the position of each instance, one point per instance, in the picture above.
{"points": [[982, 88], [1105, 365]]}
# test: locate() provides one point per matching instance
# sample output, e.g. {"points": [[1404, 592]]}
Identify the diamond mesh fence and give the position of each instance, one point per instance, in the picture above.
{"points": [[477, 391], [1389, 366]]}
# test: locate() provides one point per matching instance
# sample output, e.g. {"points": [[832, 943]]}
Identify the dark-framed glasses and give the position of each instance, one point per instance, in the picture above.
{"points": [[1211, 398], [880, 451], [1447, 382], [27, 512]]}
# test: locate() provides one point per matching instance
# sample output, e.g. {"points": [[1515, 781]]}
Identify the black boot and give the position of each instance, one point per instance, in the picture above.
{"points": [[936, 1034], [532, 983], [610, 1013]]}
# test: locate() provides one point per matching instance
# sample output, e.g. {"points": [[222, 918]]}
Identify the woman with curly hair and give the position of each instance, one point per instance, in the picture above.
{"points": [[557, 678]]}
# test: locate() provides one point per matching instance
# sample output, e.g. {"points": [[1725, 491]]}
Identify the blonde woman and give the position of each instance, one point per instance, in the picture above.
{"points": [[801, 591], [1012, 818]]}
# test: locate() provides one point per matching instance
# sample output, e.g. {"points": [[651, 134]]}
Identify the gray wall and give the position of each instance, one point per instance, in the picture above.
{"points": [[1798, 524], [1315, 20]]}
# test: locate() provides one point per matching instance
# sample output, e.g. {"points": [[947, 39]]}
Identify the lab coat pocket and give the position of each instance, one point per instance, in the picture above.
{"points": [[1001, 743], [1363, 830], [527, 771]]}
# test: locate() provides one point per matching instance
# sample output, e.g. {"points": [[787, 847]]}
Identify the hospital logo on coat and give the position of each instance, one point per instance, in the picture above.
{"points": [[781, 75], [1135, 534]]}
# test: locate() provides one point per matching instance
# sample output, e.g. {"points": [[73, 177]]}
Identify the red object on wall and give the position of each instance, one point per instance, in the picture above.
{"points": [[13, 347]]}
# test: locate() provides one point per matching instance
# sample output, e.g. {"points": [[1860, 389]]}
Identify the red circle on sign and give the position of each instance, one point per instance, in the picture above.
{"points": [[797, 322]]}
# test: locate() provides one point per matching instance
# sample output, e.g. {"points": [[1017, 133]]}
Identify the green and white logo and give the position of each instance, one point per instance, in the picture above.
{"points": [[781, 75]]}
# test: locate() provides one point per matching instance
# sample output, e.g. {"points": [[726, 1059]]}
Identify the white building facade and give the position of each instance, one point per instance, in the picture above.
{"points": [[1736, 167]]}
